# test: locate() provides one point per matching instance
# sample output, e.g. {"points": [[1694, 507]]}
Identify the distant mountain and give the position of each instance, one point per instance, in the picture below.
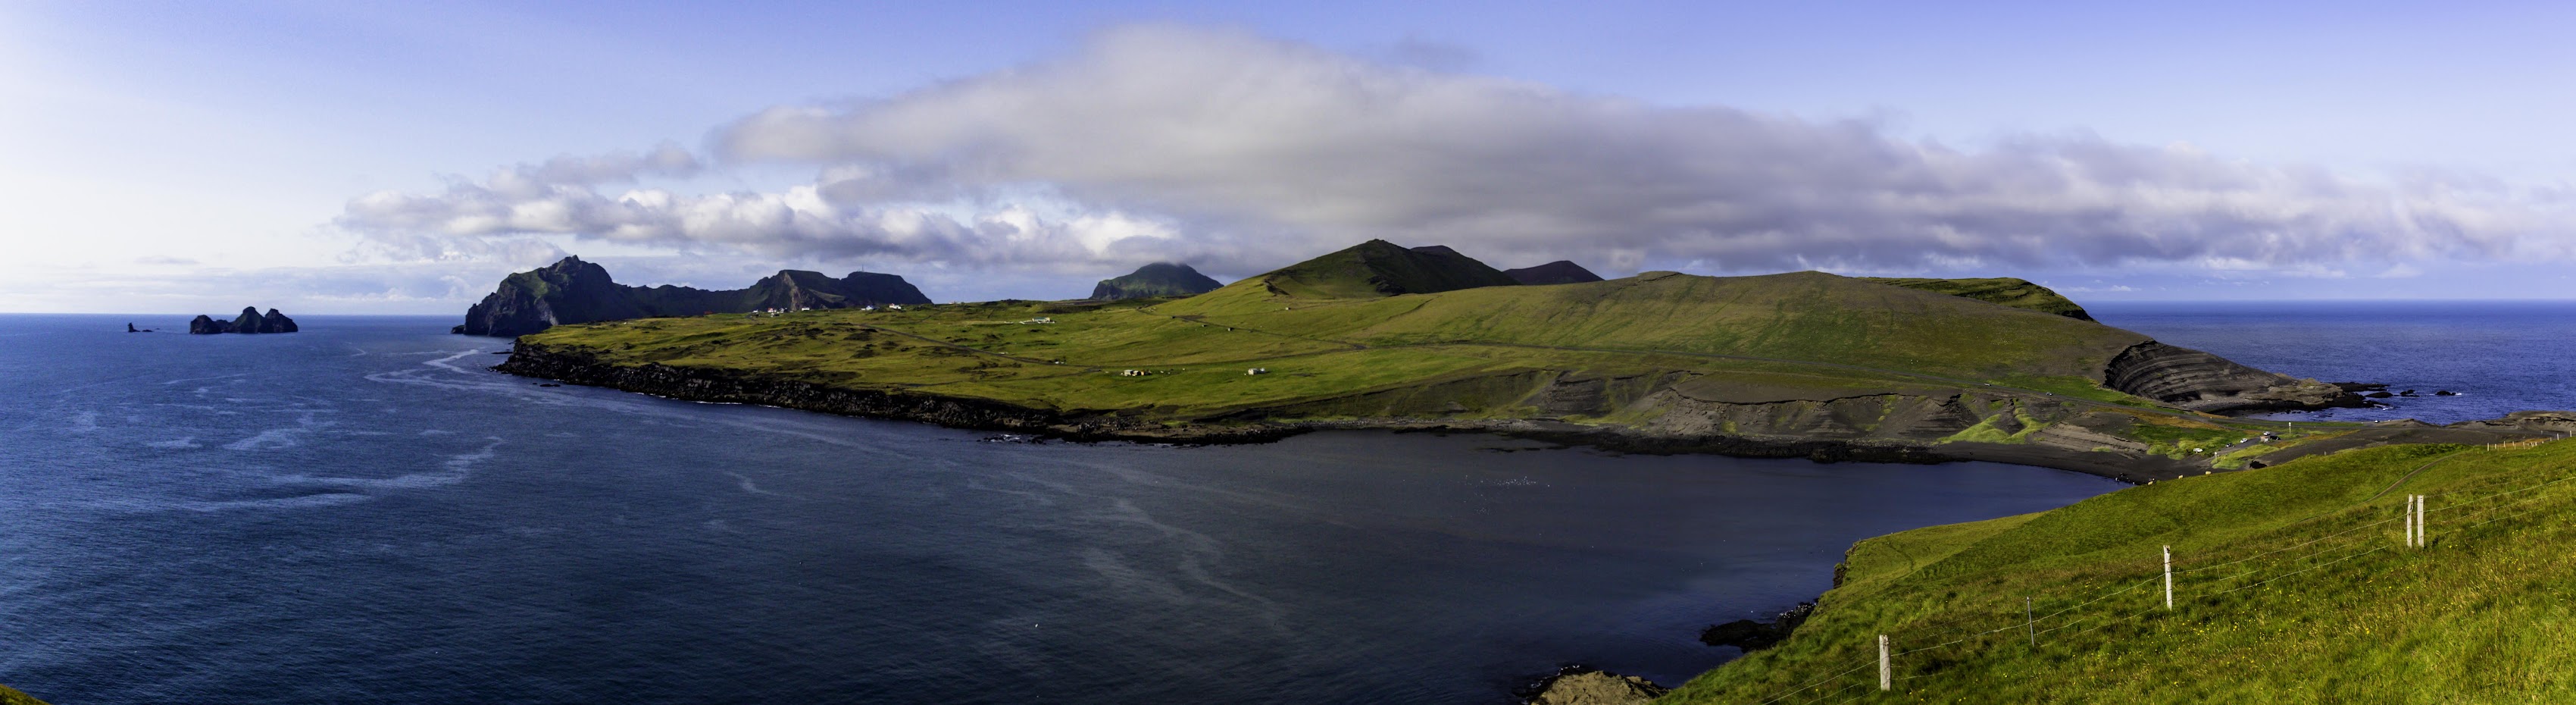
{"points": [[1380, 268], [1557, 272], [574, 291], [250, 321], [2008, 291], [1157, 279]]}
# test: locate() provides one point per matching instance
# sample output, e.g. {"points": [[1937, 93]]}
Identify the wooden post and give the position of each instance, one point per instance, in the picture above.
{"points": [[2168, 577], [1886, 675], [2028, 624]]}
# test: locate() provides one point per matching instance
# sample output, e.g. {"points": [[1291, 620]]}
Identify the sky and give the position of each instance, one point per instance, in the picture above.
{"points": [[336, 157]]}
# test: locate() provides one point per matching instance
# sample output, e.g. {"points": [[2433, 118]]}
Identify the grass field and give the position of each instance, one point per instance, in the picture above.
{"points": [[2292, 585]]}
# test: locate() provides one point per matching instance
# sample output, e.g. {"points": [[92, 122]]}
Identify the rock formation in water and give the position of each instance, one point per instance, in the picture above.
{"points": [[250, 321], [1577, 685], [574, 291], [1152, 280], [2191, 379], [1557, 272]]}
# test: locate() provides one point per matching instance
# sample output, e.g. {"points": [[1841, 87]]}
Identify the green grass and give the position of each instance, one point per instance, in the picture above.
{"points": [[2017, 293], [1489, 352], [2292, 587], [13, 697]]}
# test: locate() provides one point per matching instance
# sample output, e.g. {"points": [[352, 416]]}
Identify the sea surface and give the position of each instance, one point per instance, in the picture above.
{"points": [[362, 513], [2500, 356]]}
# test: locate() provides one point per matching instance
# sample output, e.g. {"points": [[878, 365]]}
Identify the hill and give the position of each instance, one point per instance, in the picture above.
{"points": [[2290, 584], [1160, 279], [1380, 268], [2017, 293], [1382, 336], [574, 291], [1557, 272]]}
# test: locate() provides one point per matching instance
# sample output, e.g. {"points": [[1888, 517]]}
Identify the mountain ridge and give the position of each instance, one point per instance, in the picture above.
{"points": [[575, 291]]}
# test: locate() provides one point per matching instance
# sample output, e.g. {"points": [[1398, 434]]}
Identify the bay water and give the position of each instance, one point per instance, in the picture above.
{"points": [[362, 512]]}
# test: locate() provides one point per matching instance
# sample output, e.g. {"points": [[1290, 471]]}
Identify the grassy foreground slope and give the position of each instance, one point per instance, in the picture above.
{"points": [[2292, 585], [13, 697]]}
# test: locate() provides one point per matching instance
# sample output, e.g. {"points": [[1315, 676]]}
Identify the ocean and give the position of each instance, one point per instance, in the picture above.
{"points": [[363, 513]]}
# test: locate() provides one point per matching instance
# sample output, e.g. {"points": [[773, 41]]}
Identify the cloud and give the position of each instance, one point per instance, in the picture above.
{"points": [[1164, 142]]}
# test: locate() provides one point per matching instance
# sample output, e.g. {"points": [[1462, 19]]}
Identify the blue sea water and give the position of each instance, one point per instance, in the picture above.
{"points": [[2501, 356], [362, 512]]}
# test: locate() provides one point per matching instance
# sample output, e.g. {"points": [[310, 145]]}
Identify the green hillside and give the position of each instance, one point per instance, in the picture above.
{"points": [[13, 697], [2292, 585], [2017, 293]]}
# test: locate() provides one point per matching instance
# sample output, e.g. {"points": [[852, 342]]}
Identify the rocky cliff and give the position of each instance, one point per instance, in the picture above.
{"points": [[574, 291], [250, 321], [1152, 280]]}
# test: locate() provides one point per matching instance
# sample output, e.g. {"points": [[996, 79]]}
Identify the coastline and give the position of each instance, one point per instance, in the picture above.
{"points": [[728, 386]]}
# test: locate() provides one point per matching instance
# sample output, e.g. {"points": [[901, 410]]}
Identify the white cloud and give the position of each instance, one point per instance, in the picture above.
{"points": [[1243, 153]]}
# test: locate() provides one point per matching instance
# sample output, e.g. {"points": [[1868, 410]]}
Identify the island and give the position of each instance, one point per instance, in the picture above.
{"points": [[1155, 280], [574, 291], [1799, 364], [250, 321]]}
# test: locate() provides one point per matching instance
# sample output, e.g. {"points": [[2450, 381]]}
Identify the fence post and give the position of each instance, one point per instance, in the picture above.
{"points": [[2168, 577], [1886, 675], [2029, 624]]}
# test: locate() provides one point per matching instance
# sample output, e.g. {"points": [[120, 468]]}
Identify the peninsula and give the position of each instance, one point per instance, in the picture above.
{"points": [[1382, 336]]}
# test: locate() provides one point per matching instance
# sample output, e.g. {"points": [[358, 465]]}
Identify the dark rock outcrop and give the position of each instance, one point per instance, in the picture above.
{"points": [[250, 321], [574, 291], [1750, 635], [1557, 272], [1153, 280], [2191, 379]]}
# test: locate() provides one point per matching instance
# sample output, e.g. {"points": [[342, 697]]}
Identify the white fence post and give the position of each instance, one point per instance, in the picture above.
{"points": [[2168, 577], [2410, 521], [1886, 675]]}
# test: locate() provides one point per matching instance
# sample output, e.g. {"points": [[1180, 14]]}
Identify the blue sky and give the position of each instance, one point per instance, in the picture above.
{"points": [[350, 158]]}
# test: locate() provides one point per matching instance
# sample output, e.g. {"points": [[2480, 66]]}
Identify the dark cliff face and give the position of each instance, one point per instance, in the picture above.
{"points": [[250, 321], [574, 291], [1557, 272], [1157, 279]]}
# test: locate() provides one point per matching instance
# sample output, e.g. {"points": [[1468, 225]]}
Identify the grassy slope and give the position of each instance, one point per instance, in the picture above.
{"points": [[1319, 347], [2017, 293], [13, 697], [2483, 615]]}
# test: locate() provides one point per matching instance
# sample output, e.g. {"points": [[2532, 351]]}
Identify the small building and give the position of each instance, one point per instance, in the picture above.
{"points": [[1257, 371], [1133, 373]]}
